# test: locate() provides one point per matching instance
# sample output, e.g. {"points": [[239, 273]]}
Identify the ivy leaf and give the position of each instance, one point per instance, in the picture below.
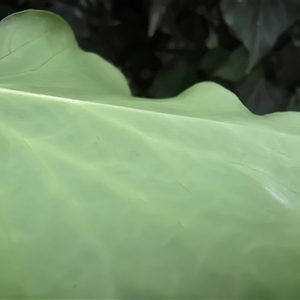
{"points": [[258, 24], [235, 66], [157, 12], [294, 104], [259, 95], [213, 60], [174, 78]]}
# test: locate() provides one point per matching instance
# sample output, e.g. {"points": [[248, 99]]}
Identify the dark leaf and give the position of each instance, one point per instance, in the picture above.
{"points": [[141, 68], [213, 60], [169, 27], [294, 33], [157, 12], [194, 29], [215, 20], [287, 66], [213, 40], [174, 78], [38, 4], [74, 16], [260, 96], [235, 66], [5, 11], [294, 104], [108, 4], [259, 23], [88, 3]]}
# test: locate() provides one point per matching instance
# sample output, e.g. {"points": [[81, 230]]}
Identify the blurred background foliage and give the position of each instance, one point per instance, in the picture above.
{"points": [[251, 47]]}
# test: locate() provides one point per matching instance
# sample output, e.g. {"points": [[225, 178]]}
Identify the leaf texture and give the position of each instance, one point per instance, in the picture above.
{"points": [[103, 195]]}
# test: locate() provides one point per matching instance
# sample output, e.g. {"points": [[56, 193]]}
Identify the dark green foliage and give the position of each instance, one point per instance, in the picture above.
{"points": [[165, 46]]}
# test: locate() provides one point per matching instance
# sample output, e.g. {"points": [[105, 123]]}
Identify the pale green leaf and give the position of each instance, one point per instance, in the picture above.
{"points": [[106, 196]]}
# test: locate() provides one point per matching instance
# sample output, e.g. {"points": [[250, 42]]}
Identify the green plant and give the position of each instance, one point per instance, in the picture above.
{"points": [[164, 46], [103, 195]]}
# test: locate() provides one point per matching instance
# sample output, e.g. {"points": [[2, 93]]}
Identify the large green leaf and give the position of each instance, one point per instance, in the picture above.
{"points": [[103, 195]]}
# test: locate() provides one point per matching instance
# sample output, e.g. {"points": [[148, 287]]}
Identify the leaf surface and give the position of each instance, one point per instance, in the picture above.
{"points": [[103, 195]]}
